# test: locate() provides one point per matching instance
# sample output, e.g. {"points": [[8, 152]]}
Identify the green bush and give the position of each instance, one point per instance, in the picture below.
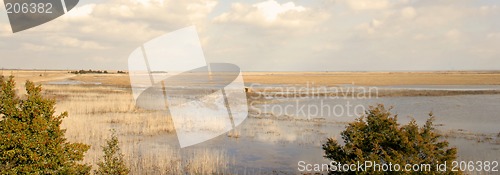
{"points": [[112, 163], [31, 140], [378, 137]]}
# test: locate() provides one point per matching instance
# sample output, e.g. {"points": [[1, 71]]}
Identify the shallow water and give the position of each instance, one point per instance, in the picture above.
{"points": [[474, 113], [274, 141], [472, 118], [278, 143], [261, 151], [268, 148]]}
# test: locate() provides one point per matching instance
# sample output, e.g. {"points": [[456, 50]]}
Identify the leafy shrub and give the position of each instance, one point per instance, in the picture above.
{"points": [[377, 137], [112, 162], [31, 140]]}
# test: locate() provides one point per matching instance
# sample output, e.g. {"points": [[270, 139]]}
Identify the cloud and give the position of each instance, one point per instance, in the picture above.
{"points": [[489, 9], [453, 34], [269, 34], [271, 13], [493, 35], [107, 29], [367, 4], [263, 35], [271, 9], [420, 37], [81, 11], [148, 3], [76, 43], [34, 47], [5, 30], [371, 26], [408, 13]]}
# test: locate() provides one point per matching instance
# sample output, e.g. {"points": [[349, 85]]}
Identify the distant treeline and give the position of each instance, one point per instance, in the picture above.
{"points": [[90, 71]]}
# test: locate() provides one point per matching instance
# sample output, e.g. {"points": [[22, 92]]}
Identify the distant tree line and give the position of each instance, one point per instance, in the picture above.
{"points": [[90, 71]]}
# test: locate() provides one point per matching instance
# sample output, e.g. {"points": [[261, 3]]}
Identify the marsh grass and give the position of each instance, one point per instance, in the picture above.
{"points": [[478, 137], [93, 110]]}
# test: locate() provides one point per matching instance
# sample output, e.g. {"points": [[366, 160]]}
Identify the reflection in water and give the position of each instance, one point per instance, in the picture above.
{"points": [[474, 113], [469, 122]]}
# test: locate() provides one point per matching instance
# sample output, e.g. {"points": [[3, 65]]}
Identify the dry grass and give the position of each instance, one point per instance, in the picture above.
{"points": [[94, 110], [122, 80], [35, 75], [375, 78], [478, 137], [20, 76], [300, 78]]}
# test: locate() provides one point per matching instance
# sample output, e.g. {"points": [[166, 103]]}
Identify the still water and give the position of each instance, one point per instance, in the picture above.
{"points": [[276, 141]]}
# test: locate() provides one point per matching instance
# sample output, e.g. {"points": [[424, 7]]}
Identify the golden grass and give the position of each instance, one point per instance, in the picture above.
{"points": [[20, 76], [105, 79], [35, 75], [335, 78], [375, 78], [94, 110], [299, 78]]}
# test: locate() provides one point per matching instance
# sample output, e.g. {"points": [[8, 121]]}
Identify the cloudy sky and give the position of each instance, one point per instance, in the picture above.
{"points": [[270, 35]]}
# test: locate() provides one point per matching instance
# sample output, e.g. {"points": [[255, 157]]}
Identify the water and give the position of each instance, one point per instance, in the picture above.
{"points": [[275, 140], [472, 118], [475, 113]]}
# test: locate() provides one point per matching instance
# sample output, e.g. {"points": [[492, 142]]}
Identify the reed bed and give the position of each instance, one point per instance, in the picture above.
{"points": [[95, 110]]}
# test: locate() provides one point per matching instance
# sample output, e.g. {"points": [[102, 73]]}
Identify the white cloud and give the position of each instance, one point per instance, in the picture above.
{"points": [[74, 43], [375, 23], [367, 4], [420, 37], [107, 29], [201, 9], [453, 34], [489, 9], [156, 10], [122, 11], [148, 2], [493, 35], [5, 29], [35, 47], [271, 13], [296, 35], [370, 27], [130, 21], [408, 13], [271, 9], [80, 11]]}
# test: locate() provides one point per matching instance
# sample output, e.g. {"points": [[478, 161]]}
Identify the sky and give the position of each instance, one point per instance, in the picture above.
{"points": [[269, 35]]}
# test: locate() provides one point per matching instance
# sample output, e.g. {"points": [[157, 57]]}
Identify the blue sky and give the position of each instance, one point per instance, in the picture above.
{"points": [[270, 35]]}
